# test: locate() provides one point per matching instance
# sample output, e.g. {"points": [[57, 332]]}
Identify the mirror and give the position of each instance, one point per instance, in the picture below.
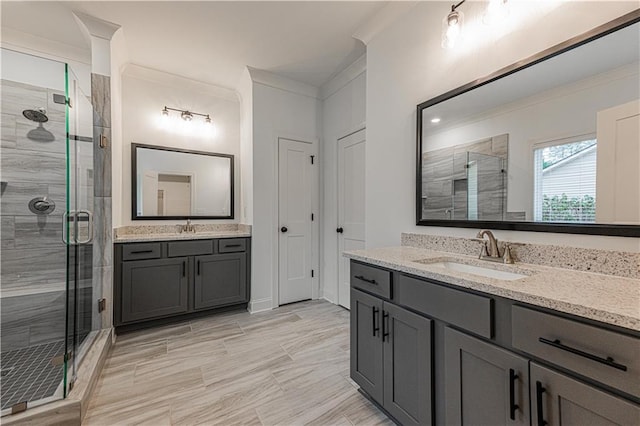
{"points": [[548, 144], [171, 183]]}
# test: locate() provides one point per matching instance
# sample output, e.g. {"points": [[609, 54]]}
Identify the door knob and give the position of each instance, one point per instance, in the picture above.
{"points": [[284, 229], [340, 230]]}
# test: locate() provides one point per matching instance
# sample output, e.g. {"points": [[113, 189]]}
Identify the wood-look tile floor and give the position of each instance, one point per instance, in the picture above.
{"points": [[288, 366]]}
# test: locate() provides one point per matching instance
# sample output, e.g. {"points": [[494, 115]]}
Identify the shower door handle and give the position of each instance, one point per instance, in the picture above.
{"points": [[70, 236], [89, 236], [65, 227]]}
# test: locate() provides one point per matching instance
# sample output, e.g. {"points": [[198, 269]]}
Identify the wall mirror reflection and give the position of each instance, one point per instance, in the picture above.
{"points": [[553, 145], [171, 183]]}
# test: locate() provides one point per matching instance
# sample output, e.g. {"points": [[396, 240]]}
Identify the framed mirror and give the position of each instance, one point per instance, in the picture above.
{"points": [[172, 183], [549, 144]]}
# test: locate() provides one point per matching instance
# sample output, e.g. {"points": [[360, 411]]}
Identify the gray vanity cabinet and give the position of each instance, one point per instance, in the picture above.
{"points": [[557, 399], [407, 365], [158, 282], [366, 343], [391, 357], [220, 280], [484, 384], [154, 288]]}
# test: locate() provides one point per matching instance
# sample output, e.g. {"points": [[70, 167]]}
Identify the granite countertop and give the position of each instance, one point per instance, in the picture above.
{"points": [[168, 236], [605, 298]]}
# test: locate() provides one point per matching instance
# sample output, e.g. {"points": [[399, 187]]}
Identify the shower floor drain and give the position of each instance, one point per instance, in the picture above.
{"points": [[28, 374]]}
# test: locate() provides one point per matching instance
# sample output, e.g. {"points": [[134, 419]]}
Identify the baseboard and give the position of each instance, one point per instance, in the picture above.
{"points": [[329, 298], [260, 305]]}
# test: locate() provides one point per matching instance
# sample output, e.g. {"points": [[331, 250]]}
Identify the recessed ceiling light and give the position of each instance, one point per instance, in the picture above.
{"points": [[435, 120]]}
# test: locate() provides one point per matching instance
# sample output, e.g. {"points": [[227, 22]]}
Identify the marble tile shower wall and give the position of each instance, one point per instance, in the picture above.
{"points": [[33, 266]]}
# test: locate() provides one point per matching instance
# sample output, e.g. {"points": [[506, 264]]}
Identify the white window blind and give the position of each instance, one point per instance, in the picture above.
{"points": [[565, 181]]}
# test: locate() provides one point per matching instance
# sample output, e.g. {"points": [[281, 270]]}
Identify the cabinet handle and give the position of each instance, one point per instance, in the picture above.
{"points": [[367, 280], [198, 267], [512, 397], [184, 268], [141, 251], [606, 361], [376, 328], [232, 245], [539, 410], [385, 325]]}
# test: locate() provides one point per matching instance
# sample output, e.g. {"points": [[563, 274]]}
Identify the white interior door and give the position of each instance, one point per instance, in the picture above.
{"points": [[618, 156], [294, 214], [351, 161]]}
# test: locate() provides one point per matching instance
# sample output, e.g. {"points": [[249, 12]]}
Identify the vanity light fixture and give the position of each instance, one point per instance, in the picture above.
{"points": [[186, 115], [452, 26], [435, 120]]}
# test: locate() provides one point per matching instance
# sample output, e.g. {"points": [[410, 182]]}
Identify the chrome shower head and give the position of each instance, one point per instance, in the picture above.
{"points": [[39, 115]]}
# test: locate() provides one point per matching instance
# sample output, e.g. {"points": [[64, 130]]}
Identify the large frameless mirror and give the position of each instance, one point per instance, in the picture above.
{"points": [[548, 144], [171, 183]]}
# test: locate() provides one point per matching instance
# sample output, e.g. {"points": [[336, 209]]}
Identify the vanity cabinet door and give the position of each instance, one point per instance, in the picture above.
{"points": [[484, 384], [557, 399], [154, 288], [407, 365], [220, 280], [366, 343]]}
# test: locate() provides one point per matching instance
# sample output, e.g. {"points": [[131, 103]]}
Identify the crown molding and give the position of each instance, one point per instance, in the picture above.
{"points": [[283, 83], [381, 20], [344, 77], [179, 82], [95, 26], [28, 43]]}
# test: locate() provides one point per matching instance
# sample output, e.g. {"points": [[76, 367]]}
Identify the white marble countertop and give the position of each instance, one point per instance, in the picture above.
{"points": [[168, 236], [605, 298]]}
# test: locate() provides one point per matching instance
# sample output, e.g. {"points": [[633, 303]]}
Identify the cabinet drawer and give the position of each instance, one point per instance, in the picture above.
{"points": [[189, 248], [460, 308], [603, 355], [232, 245], [141, 251], [371, 279]]}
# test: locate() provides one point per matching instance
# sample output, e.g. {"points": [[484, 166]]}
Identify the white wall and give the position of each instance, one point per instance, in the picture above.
{"points": [[245, 90], [119, 58], [281, 108], [406, 66], [343, 111], [144, 93]]}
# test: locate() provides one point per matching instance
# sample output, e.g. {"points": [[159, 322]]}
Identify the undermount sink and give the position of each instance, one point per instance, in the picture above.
{"points": [[450, 265]]}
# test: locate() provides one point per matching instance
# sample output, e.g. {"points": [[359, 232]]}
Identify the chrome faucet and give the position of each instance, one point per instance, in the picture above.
{"points": [[490, 250], [189, 227]]}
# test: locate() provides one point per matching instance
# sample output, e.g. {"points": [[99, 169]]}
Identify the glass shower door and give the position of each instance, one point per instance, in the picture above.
{"points": [[33, 271], [79, 227]]}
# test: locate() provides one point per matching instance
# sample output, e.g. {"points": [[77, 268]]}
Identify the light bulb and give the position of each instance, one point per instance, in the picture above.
{"points": [[207, 119], [186, 116], [435, 120], [165, 112], [452, 28]]}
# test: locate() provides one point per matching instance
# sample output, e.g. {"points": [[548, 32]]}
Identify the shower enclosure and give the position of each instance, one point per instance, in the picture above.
{"points": [[48, 301], [464, 185]]}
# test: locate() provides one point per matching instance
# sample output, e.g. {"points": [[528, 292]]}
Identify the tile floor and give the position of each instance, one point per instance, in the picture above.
{"points": [[288, 366], [28, 373]]}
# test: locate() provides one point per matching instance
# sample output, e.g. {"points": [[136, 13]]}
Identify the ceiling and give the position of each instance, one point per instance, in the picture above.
{"points": [[210, 41]]}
